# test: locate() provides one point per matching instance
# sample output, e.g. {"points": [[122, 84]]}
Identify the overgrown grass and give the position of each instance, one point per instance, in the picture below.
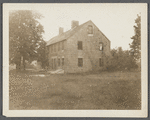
{"points": [[105, 90]]}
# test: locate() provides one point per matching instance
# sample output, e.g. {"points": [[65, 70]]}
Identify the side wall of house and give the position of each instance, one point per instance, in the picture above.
{"points": [[57, 55], [91, 50]]}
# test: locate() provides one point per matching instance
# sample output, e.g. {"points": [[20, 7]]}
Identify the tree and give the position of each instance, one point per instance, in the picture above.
{"points": [[120, 60], [136, 43], [42, 53], [25, 36]]}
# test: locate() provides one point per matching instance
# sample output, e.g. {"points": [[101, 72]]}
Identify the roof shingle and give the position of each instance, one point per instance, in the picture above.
{"points": [[65, 35]]}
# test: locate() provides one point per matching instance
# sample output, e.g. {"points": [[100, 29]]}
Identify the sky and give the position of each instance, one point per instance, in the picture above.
{"points": [[116, 21]]}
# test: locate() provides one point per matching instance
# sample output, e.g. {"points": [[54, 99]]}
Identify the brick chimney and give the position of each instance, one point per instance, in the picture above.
{"points": [[74, 24], [61, 30]]}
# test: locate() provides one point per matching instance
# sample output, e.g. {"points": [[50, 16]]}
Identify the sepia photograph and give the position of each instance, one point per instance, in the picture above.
{"points": [[87, 59]]}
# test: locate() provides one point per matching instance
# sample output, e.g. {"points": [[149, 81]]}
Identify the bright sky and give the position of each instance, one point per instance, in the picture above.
{"points": [[114, 20]]}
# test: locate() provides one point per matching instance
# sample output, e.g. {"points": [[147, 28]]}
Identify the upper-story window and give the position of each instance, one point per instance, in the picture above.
{"points": [[62, 45], [51, 48], [101, 46], [54, 47], [58, 46], [90, 29], [80, 45]]}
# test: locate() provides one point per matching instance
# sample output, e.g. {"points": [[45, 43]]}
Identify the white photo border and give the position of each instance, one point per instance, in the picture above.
{"points": [[75, 113]]}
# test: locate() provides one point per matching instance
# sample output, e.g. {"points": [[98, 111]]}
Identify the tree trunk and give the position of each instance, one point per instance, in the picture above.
{"points": [[18, 66]]}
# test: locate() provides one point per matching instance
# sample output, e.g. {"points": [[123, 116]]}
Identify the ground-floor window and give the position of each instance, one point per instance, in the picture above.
{"points": [[80, 62], [100, 62], [62, 61], [52, 64], [58, 61]]}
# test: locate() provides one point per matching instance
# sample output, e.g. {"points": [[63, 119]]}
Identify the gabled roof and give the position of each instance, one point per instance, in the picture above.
{"points": [[65, 35]]}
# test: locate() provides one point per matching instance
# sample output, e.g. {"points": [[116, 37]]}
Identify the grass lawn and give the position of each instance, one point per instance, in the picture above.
{"points": [[106, 90]]}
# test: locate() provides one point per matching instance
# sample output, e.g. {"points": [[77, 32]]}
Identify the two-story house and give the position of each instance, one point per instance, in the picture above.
{"points": [[83, 48]]}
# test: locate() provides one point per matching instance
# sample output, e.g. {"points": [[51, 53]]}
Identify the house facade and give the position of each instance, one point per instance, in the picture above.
{"points": [[83, 48]]}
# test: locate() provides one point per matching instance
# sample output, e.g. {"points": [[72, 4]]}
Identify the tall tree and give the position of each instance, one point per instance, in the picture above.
{"points": [[42, 54], [25, 36], [136, 43]]}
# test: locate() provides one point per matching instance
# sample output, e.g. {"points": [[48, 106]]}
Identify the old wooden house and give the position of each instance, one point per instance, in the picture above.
{"points": [[82, 48]]}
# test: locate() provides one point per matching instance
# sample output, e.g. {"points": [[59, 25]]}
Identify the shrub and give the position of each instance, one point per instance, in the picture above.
{"points": [[120, 60]]}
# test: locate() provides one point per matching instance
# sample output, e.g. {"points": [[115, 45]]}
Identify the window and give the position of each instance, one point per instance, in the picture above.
{"points": [[49, 49], [62, 61], [54, 47], [101, 46], [100, 62], [90, 29], [79, 45], [52, 64], [62, 45], [58, 46], [58, 61], [80, 62]]}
